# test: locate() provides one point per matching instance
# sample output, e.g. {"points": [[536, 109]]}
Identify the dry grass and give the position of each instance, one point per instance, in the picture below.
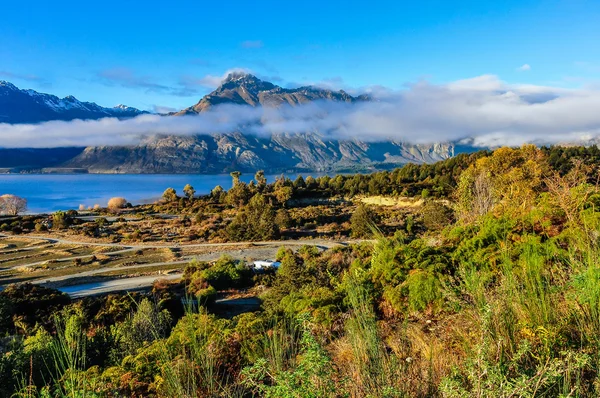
{"points": [[392, 201]]}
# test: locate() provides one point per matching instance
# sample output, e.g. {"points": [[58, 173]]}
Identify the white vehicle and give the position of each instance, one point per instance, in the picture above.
{"points": [[264, 264]]}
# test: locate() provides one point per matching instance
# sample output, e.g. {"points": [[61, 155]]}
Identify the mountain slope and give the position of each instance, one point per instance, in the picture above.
{"points": [[29, 106], [218, 153], [226, 152]]}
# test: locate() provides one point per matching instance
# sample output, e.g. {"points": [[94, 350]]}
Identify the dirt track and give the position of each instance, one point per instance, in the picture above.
{"points": [[239, 250]]}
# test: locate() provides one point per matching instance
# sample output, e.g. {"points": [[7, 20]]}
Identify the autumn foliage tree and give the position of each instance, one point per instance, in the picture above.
{"points": [[507, 182]]}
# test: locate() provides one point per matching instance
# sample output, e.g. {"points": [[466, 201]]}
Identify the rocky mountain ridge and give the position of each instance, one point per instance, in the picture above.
{"points": [[219, 153], [246, 89]]}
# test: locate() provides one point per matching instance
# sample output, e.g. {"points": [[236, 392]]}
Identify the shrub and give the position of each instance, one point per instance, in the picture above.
{"points": [[207, 295], [61, 220], [436, 216], [226, 273], [423, 289], [170, 195], [116, 204]]}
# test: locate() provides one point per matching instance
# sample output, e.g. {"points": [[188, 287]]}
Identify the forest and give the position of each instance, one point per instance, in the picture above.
{"points": [[489, 286]]}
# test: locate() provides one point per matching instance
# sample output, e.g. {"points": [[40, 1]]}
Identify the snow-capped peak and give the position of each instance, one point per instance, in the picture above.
{"points": [[123, 107], [4, 83], [66, 108]]}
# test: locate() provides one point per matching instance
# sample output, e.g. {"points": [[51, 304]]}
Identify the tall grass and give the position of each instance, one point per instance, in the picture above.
{"points": [[189, 361], [191, 371], [279, 345], [533, 314], [66, 364], [374, 371], [69, 354]]}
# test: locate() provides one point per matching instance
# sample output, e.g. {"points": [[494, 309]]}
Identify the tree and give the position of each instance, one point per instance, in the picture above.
{"points": [[283, 219], [12, 205], [311, 183], [292, 273], [254, 222], [170, 195], [145, 325], [508, 182], [235, 175], [570, 192], [218, 194], [299, 183], [115, 204], [324, 182], [238, 195], [362, 222], [189, 191], [261, 180], [283, 194]]}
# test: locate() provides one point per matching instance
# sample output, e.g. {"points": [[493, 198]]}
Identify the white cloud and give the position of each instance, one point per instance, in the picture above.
{"points": [[524, 68], [479, 83], [483, 110], [209, 81]]}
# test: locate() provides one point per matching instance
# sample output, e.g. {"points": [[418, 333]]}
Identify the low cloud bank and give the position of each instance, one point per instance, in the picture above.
{"points": [[483, 110]]}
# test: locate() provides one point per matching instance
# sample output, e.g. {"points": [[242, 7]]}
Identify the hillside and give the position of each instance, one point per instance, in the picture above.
{"points": [[227, 152], [478, 274]]}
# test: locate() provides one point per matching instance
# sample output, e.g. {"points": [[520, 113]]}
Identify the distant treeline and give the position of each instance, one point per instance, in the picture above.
{"points": [[437, 179]]}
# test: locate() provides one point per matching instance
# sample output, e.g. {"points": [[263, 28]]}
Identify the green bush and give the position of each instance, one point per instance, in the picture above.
{"points": [[423, 289]]}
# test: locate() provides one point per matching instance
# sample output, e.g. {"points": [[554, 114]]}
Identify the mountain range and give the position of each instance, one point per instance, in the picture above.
{"points": [[29, 106], [208, 153]]}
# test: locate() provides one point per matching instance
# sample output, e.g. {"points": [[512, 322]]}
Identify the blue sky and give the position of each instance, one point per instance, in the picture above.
{"points": [[166, 55]]}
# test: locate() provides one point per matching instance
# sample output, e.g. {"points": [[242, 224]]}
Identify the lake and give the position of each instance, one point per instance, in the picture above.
{"points": [[47, 193]]}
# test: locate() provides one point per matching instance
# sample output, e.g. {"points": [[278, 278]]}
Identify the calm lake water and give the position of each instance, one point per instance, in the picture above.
{"points": [[51, 192]]}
